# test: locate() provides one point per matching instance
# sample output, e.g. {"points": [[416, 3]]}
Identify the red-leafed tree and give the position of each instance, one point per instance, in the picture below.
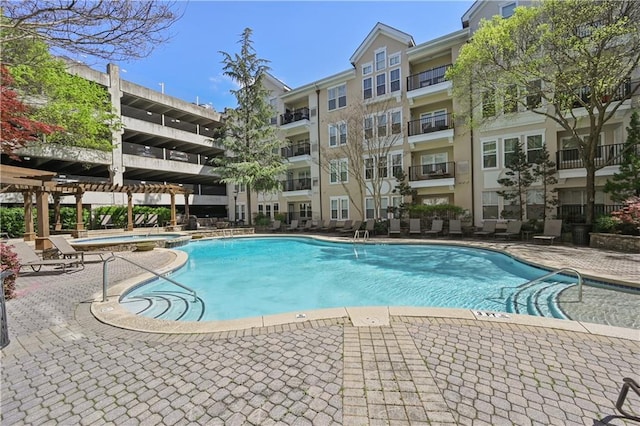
{"points": [[16, 127]]}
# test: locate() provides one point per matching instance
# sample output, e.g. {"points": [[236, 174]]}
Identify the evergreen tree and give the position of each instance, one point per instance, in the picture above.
{"points": [[404, 189], [518, 179], [252, 147], [544, 172], [626, 183]]}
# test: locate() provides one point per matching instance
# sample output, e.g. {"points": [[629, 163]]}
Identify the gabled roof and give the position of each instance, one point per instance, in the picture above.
{"points": [[277, 82], [377, 30], [467, 15]]}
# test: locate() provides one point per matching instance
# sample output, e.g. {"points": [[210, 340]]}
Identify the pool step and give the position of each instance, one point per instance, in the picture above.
{"points": [[538, 299], [166, 305]]}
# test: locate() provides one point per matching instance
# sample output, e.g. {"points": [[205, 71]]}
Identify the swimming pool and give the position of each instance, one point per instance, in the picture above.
{"points": [[248, 277]]}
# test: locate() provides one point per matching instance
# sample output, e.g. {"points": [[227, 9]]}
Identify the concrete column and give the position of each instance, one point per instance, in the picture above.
{"points": [[42, 206], [29, 233], [117, 167]]}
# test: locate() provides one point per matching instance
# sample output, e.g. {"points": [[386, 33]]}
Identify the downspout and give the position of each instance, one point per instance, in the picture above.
{"points": [[319, 156], [471, 163]]}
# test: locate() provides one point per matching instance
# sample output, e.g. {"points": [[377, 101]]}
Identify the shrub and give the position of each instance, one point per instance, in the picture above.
{"points": [[9, 262], [12, 221], [628, 217], [442, 211], [606, 224]]}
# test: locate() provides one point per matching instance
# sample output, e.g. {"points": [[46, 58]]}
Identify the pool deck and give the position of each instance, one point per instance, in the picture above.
{"points": [[386, 366]]}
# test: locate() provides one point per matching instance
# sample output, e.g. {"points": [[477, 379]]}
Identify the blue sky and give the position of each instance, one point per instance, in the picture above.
{"points": [[304, 41]]}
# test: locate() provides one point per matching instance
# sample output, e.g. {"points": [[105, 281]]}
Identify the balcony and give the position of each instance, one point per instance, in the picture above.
{"points": [[427, 83], [296, 187], [292, 116], [584, 93], [432, 175], [297, 152], [430, 129], [608, 157]]}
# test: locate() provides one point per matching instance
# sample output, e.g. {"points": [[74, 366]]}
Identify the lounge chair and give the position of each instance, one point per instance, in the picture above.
{"points": [[28, 257], [308, 225], [513, 230], [105, 220], [488, 228], [330, 227], [370, 226], [353, 228], [138, 219], [275, 226], [345, 226], [293, 226], [394, 227], [152, 220], [317, 226], [68, 252], [455, 227], [552, 230], [414, 227], [436, 227]]}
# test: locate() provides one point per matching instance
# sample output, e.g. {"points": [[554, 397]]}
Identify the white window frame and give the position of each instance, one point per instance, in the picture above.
{"points": [[333, 135], [382, 124], [394, 59], [395, 164], [399, 80], [337, 134], [504, 147], [383, 86], [396, 129], [505, 6], [338, 168], [485, 153], [382, 61], [434, 159], [337, 97], [432, 118], [488, 197], [339, 205], [369, 66], [365, 89], [526, 143]]}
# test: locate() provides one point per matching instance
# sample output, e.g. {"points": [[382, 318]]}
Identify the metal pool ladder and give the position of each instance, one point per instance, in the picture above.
{"points": [[363, 233], [105, 276], [559, 271]]}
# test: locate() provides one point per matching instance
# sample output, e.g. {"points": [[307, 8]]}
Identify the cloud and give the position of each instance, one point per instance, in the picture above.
{"points": [[222, 83]]}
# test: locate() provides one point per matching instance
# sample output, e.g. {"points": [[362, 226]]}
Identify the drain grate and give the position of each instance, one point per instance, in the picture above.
{"points": [[490, 314]]}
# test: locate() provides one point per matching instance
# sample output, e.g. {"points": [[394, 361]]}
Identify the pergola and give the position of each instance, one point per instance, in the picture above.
{"points": [[40, 183]]}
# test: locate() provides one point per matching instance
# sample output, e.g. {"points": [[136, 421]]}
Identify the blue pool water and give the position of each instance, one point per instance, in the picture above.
{"points": [[248, 277]]}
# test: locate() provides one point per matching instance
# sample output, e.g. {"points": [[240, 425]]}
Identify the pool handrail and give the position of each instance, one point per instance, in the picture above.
{"points": [[550, 274], [105, 276]]}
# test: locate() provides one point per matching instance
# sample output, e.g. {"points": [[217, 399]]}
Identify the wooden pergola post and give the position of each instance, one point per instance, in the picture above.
{"points": [[79, 219], [56, 212], [29, 233], [42, 206], [129, 211], [186, 206], [173, 209]]}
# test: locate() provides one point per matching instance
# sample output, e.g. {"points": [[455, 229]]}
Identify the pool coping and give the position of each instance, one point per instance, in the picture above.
{"points": [[113, 313]]}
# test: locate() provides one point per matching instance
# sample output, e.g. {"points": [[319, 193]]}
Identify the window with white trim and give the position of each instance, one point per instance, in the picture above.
{"points": [[381, 84], [381, 59], [260, 209], [339, 207], [337, 97], [489, 154], [383, 170], [534, 96], [433, 120], [394, 59], [534, 147], [489, 103], [267, 210], [396, 164], [276, 209], [368, 127], [394, 80], [384, 207], [381, 125], [242, 211], [367, 68], [535, 204], [368, 168], [490, 205], [337, 134], [367, 88], [435, 201], [369, 209], [510, 145], [339, 170], [333, 135], [510, 102], [434, 164], [396, 122]]}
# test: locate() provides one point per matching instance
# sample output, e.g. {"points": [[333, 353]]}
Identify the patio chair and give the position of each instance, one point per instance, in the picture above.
{"points": [[488, 228], [436, 227], [293, 226], [138, 219], [28, 257], [455, 227], [152, 220], [68, 252], [353, 228], [370, 226], [414, 227], [345, 226], [513, 230], [308, 225], [330, 227], [552, 230], [317, 226], [105, 220], [275, 226], [394, 227]]}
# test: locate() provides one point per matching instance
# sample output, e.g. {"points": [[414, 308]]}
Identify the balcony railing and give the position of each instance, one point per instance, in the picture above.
{"points": [[430, 125], [427, 78], [296, 184], [576, 213], [295, 115], [584, 93], [432, 171], [165, 154], [296, 150], [606, 155], [165, 120]]}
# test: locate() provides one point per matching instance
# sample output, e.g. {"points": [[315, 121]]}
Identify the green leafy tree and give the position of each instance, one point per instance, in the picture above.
{"points": [[544, 171], [626, 183], [568, 60], [251, 142], [403, 188], [516, 183]]}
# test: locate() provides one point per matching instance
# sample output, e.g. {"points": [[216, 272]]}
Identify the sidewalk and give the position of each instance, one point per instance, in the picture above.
{"points": [[65, 367]]}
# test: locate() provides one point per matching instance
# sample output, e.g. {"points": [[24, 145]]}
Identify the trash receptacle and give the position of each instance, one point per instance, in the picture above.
{"points": [[580, 234], [192, 223], [4, 327]]}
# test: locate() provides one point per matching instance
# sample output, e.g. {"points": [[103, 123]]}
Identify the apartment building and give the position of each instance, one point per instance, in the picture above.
{"points": [[398, 92], [163, 140]]}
